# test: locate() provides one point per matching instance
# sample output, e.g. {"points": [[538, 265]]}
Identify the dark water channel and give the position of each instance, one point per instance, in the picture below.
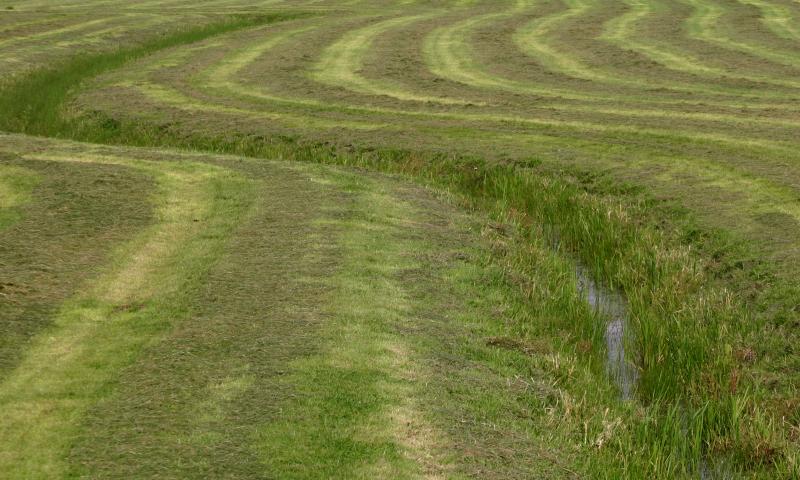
{"points": [[612, 306]]}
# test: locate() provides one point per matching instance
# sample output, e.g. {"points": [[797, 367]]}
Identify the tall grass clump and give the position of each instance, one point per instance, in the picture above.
{"points": [[683, 330]]}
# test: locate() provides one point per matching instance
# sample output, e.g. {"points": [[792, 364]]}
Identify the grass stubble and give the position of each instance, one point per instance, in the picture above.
{"points": [[698, 399]]}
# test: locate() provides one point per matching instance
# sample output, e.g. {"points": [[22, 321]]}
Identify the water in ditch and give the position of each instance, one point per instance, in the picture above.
{"points": [[612, 306]]}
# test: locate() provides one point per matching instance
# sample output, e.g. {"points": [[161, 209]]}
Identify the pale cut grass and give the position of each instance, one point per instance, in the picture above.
{"points": [[362, 346], [623, 32], [64, 370], [705, 25], [340, 63], [221, 79], [16, 185]]}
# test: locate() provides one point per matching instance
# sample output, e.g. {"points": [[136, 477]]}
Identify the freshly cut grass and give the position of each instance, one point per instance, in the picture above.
{"points": [[62, 235], [349, 390], [237, 326], [26, 104], [64, 371], [646, 144], [340, 63], [16, 184], [198, 394]]}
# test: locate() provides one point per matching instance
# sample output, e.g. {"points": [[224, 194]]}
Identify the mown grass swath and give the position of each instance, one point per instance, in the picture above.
{"points": [[102, 329], [687, 326], [16, 184], [33, 105]]}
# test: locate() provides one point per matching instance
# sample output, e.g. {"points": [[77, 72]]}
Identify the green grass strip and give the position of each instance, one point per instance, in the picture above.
{"points": [[16, 185], [68, 369], [33, 105]]}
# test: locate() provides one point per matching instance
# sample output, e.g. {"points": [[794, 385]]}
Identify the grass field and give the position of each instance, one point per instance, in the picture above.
{"points": [[400, 239]]}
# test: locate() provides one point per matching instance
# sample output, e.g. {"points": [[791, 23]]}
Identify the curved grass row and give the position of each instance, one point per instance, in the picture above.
{"points": [[521, 117], [778, 18]]}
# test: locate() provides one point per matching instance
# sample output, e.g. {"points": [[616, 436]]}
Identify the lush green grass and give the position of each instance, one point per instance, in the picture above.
{"points": [[698, 303], [16, 184]]}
